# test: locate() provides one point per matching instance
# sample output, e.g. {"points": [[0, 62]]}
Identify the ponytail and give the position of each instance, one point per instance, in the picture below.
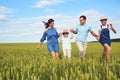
{"points": [[48, 23]]}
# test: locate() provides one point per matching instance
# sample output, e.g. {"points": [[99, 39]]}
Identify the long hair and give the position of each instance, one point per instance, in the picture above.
{"points": [[48, 23]]}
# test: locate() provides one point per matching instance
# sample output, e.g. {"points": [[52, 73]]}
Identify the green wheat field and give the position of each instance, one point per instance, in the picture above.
{"points": [[22, 61]]}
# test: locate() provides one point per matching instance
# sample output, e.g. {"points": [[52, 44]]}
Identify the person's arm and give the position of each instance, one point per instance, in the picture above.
{"points": [[92, 32], [95, 35], [99, 32], [112, 28], [72, 36], [40, 43], [60, 37], [59, 34], [73, 31], [42, 40]]}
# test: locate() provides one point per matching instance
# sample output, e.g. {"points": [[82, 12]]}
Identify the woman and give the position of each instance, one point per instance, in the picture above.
{"points": [[104, 37], [52, 38]]}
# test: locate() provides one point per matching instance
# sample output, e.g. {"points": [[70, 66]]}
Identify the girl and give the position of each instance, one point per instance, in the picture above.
{"points": [[52, 38], [66, 43], [104, 37]]}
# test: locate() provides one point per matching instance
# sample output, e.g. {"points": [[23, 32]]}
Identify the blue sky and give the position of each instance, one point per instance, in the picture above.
{"points": [[20, 20]]}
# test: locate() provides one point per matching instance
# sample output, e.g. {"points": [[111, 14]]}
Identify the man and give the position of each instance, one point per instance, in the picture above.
{"points": [[81, 32]]}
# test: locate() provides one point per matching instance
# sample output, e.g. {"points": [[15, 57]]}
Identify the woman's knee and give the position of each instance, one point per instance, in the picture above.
{"points": [[109, 48]]}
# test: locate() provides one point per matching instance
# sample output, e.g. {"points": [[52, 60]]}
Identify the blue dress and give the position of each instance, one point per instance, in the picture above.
{"points": [[52, 40], [105, 36]]}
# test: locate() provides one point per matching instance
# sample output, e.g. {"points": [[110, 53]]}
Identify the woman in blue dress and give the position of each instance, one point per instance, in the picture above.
{"points": [[104, 37], [52, 38]]}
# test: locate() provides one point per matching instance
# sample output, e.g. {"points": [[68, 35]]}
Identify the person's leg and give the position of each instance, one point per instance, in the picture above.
{"points": [[51, 50], [107, 51], [56, 49], [64, 52], [56, 55], [80, 47], [84, 48], [104, 52], [69, 53], [53, 55]]}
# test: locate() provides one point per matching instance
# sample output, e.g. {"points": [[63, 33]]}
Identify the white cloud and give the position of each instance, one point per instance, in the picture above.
{"points": [[33, 25], [4, 9], [38, 19], [4, 13], [42, 3], [3, 18], [57, 16], [31, 28]]}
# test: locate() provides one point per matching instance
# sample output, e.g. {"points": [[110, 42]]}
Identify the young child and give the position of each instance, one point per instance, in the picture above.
{"points": [[66, 43], [104, 37]]}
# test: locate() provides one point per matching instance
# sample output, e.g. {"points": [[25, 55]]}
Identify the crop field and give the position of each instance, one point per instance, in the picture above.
{"points": [[22, 61]]}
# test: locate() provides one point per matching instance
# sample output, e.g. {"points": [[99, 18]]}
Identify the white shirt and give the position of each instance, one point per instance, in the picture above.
{"points": [[103, 27], [66, 43]]}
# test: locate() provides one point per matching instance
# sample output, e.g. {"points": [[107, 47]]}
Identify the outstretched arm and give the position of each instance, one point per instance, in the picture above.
{"points": [[42, 40], [40, 43], [93, 34], [96, 36], [60, 37], [113, 29], [99, 32], [73, 31], [72, 36]]}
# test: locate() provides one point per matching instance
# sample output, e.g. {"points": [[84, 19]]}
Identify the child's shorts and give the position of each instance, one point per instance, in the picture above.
{"points": [[53, 47], [105, 42]]}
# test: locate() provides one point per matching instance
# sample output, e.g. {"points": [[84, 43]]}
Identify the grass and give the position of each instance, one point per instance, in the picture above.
{"points": [[24, 62]]}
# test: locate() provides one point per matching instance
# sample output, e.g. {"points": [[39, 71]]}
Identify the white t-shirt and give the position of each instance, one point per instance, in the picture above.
{"points": [[66, 43], [103, 27]]}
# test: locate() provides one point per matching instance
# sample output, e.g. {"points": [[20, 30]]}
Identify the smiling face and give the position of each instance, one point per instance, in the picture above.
{"points": [[51, 24], [104, 22], [82, 21], [65, 34]]}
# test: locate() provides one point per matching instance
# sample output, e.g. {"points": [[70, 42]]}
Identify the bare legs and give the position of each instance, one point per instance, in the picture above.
{"points": [[67, 53], [106, 52], [54, 55]]}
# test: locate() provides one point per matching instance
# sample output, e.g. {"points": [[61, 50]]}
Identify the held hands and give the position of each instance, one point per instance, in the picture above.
{"points": [[71, 30], [60, 34], [97, 37]]}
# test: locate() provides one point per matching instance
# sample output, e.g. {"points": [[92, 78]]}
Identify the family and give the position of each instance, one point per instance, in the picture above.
{"points": [[81, 33]]}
